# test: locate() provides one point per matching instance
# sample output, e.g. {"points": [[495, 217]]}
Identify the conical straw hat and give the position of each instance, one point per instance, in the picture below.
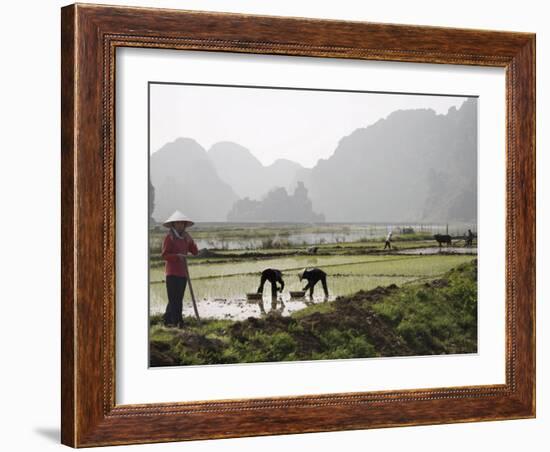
{"points": [[178, 216]]}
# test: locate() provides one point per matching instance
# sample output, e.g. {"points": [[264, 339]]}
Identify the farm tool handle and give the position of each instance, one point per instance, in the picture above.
{"points": [[191, 290]]}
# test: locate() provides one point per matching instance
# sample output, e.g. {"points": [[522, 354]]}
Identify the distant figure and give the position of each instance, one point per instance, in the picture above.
{"points": [[469, 238], [443, 238], [313, 276], [388, 240], [274, 276], [312, 249]]}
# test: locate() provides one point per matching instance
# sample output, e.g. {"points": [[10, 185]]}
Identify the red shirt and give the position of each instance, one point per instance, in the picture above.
{"points": [[171, 247]]}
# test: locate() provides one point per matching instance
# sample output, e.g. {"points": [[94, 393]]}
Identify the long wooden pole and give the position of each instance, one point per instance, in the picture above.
{"points": [[191, 290]]}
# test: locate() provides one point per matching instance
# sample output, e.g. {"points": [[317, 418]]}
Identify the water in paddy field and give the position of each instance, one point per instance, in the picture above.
{"points": [[221, 288], [230, 302], [240, 308], [355, 262]]}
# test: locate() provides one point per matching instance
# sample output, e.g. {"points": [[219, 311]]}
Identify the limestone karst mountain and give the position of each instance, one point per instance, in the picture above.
{"points": [[185, 179], [413, 166], [276, 206], [237, 166]]}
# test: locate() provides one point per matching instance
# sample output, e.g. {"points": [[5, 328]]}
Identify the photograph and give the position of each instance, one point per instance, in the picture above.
{"points": [[299, 224]]}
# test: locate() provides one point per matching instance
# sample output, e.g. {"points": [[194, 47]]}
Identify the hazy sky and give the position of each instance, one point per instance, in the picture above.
{"points": [[298, 125]]}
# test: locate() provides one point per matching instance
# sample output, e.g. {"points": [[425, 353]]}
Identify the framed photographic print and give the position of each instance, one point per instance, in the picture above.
{"points": [[281, 225]]}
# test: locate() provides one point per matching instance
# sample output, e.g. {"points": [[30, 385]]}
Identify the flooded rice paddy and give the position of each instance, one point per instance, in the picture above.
{"points": [[352, 255], [221, 287]]}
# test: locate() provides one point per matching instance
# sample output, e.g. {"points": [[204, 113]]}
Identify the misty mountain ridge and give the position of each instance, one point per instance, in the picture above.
{"points": [[184, 178], [414, 165], [238, 167]]}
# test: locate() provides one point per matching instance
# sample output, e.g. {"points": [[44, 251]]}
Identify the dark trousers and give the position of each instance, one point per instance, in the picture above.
{"points": [[175, 288], [273, 287], [311, 284]]}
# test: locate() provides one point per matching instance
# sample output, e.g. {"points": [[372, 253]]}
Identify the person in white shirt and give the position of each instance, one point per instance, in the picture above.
{"points": [[388, 240]]}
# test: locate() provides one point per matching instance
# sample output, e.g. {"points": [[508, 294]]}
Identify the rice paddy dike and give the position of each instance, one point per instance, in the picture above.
{"points": [[429, 316]]}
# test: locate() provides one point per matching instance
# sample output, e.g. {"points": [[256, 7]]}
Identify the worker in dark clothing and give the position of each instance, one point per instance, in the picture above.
{"points": [[469, 238], [273, 276], [313, 276]]}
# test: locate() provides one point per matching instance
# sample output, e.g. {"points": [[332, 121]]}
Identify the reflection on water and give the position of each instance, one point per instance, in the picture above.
{"points": [[218, 301], [240, 309], [297, 239]]}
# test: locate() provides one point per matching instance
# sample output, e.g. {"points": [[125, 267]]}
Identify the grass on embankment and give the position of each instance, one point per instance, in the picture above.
{"points": [[433, 318]]}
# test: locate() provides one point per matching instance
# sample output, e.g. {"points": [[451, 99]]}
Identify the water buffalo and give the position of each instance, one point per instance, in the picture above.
{"points": [[443, 238]]}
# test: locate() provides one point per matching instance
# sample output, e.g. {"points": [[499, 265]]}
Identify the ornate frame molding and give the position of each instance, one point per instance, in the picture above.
{"points": [[90, 37]]}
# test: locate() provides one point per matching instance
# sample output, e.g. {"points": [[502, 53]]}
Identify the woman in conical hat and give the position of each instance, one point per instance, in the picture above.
{"points": [[177, 244]]}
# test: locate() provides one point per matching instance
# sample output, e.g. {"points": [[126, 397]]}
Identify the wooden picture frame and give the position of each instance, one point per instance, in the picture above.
{"points": [[90, 36]]}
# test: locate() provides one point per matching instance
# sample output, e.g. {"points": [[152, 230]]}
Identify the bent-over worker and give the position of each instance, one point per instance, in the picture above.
{"points": [[274, 276], [313, 276]]}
